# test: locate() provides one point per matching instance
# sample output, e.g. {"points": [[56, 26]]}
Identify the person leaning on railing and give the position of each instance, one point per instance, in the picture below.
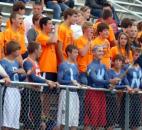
{"points": [[112, 102], [33, 71], [95, 101], [11, 95], [68, 75], [4, 76], [134, 76]]}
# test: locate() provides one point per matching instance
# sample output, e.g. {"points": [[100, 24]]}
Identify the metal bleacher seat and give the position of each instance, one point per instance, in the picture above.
{"points": [[8, 6], [128, 8], [28, 7], [8, 15], [79, 3]]}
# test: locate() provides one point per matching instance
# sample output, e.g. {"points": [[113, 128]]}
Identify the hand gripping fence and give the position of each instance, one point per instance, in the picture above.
{"points": [[118, 111]]}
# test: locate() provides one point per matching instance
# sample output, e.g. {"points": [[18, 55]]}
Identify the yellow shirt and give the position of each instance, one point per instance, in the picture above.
{"points": [[115, 51], [65, 36], [21, 28], [83, 61], [111, 37], [48, 59], [10, 34]]}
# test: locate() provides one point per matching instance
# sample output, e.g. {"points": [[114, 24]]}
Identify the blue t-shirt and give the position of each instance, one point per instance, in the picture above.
{"points": [[10, 67], [97, 75], [67, 72], [113, 74], [134, 77]]}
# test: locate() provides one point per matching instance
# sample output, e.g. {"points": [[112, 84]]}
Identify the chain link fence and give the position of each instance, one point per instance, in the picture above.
{"points": [[69, 108]]}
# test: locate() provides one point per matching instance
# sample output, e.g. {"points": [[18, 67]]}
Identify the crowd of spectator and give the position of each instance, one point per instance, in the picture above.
{"points": [[74, 52]]}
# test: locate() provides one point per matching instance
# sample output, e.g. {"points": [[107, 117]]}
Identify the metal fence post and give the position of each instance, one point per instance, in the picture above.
{"points": [[67, 110], [0, 107], [127, 102]]}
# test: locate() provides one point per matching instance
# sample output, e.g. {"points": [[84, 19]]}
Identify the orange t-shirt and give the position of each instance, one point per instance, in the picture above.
{"points": [[1, 45], [111, 37], [65, 36], [83, 61], [38, 30], [21, 28], [10, 34], [106, 45], [139, 34], [48, 60], [115, 51]]}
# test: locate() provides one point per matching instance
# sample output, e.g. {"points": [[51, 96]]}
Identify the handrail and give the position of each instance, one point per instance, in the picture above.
{"points": [[131, 12], [84, 87]]}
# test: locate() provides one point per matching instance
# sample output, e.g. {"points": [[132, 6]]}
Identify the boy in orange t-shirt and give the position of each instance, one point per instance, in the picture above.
{"points": [[19, 8], [65, 34], [85, 57], [111, 36], [12, 33], [101, 39], [85, 53], [106, 17], [47, 61]]}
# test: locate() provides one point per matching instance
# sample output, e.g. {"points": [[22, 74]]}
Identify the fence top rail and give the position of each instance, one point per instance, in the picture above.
{"points": [[30, 84]]}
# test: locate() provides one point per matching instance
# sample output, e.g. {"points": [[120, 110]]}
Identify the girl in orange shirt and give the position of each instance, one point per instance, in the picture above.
{"points": [[123, 48]]}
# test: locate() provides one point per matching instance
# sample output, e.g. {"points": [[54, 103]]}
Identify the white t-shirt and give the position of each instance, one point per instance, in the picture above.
{"points": [[3, 72], [77, 31], [28, 23]]}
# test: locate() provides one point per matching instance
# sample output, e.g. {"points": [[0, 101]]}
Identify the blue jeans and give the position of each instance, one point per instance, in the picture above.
{"points": [[8, 1], [70, 3], [58, 8], [97, 13]]}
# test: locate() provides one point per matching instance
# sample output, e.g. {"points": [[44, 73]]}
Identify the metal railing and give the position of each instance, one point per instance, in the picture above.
{"points": [[117, 4], [118, 109]]}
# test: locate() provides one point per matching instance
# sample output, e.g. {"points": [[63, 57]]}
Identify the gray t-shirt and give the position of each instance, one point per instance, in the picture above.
{"points": [[31, 35]]}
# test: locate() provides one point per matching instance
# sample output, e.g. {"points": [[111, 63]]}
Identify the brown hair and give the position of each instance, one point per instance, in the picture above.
{"points": [[70, 48], [102, 26], [139, 26], [140, 38], [126, 22], [35, 18], [69, 12], [119, 57], [32, 46], [11, 46], [86, 25], [127, 47], [107, 13], [84, 8], [13, 16], [19, 5]]}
